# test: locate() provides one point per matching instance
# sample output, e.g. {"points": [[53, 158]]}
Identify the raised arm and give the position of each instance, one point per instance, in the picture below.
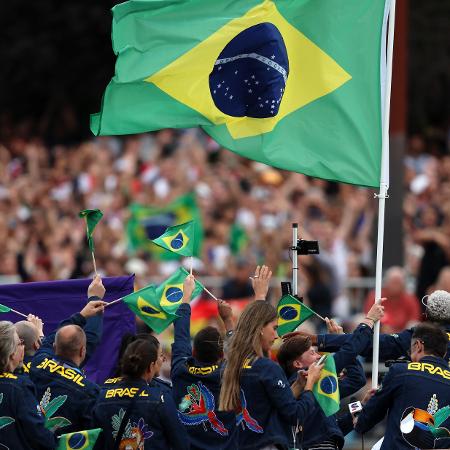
{"points": [[181, 347], [261, 281], [94, 324]]}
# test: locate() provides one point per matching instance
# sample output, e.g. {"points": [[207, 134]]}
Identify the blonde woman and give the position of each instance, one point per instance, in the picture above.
{"points": [[21, 422], [256, 388]]}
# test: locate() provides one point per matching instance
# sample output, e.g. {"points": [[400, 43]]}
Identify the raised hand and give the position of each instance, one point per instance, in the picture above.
{"points": [[93, 308], [261, 281], [333, 327], [96, 288], [188, 288]]}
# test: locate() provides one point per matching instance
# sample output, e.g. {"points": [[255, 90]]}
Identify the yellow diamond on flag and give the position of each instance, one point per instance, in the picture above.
{"points": [[147, 309], [312, 73]]}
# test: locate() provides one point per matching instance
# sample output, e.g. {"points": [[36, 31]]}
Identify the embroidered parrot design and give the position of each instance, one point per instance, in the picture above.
{"points": [[244, 418], [198, 407]]}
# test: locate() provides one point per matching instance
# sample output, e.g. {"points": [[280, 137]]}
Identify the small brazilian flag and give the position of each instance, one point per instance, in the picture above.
{"points": [[145, 304], [4, 309], [326, 390], [291, 313], [147, 223], [170, 293], [93, 217], [178, 239], [259, 76], [80, 440]]}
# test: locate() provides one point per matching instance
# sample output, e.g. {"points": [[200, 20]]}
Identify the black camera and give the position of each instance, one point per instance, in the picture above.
{"points": [[307, 247]]}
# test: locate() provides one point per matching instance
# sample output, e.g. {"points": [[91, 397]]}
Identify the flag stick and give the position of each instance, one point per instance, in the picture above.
{"points": [[17, 312], [95, 265], [210, 293], [294, 259], [114, 301], [319, 316], [192, 263], [384, 186]]}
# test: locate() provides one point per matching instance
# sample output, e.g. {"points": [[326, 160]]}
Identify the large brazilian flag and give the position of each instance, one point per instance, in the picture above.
{"points": [[295, 84]]}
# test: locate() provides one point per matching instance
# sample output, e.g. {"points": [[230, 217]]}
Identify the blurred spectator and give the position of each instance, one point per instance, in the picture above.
{"points": [[401, 307]]}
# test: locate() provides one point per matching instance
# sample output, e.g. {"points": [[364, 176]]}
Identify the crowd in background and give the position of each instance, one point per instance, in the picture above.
{"points": [[247, 209]]}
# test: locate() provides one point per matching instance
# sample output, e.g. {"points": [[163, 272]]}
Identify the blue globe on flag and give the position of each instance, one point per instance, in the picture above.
{"points": [[249, 76]]}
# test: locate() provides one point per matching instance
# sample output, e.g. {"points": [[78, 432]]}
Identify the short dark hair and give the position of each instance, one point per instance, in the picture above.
{"points": [[208, 345], [128, 339], [290, 350], [435, 341], [137, 357]]}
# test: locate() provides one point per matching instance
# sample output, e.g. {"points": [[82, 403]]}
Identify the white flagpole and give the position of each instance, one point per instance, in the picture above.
{"points": [[384, 186], [294, 259]]}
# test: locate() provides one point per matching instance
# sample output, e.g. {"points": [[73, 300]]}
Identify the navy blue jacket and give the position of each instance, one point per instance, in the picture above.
{"points": [[407, 388], [269, 410], [196, 390], [21, 422], [66, 396], [317, 426], [392, 346], [153, 422]]}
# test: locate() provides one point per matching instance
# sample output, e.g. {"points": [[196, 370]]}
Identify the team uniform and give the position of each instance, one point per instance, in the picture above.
{"points": [[196, 390], [21, 421], [320, 431], [268, 408], [152, 417], [392, 346], [66, 396], [413, 396]]}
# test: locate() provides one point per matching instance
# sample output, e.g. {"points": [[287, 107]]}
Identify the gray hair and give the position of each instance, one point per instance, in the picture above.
{"points": [[7, 343]]}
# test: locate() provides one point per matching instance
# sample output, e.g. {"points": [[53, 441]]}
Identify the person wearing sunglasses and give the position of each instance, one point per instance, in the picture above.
{"points": [[21, 422]]}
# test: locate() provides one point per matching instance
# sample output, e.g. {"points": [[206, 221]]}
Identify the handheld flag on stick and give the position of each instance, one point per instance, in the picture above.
{"points": [[326, 390], [145, 304], [6, 309], [178, 239], [291, 313], [84, 440], [170, 293], [93, 217]]}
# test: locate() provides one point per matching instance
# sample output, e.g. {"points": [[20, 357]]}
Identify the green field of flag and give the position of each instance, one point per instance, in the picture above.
{"points": [[291, 313], [326, 390], [80, 440], [150, 222], [170, 293], [93, 217], [178, 239], [175, 61]]}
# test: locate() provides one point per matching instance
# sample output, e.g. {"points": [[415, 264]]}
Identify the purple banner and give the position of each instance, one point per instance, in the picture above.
{"points": [[54, 301]]}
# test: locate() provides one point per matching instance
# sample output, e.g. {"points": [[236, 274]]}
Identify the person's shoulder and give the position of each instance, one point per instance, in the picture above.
{"points": [[165, 386], [11, 379], [263, 364]]}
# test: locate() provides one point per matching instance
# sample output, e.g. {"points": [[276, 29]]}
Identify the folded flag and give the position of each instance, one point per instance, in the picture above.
{"points": [[326, 390], [80, 440], [178, 239], [259, 76], [170, 293], [147, 223], [145, 304], [291, 313], [93, 217], [4, 309]]}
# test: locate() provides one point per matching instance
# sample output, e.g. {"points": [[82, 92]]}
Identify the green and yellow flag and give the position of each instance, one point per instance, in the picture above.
{"points": [[326, 390], [93, 217], [147, 223], [178, 239], [145, 304], [291, 313], [170, 293], [259, 76], [80, 440], [4, 309]]}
